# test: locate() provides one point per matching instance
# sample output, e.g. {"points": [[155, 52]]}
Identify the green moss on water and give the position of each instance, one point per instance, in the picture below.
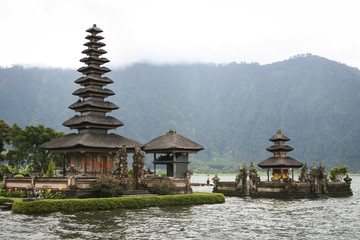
{"points": [[75, 205]]}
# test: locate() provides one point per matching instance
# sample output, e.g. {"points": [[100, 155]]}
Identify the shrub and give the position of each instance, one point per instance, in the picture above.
{"points": [[164, 187], [19, 175], [12, 192], [25, 171], [3, 169], [337, 173], [48, 194], [107, 186], [16, 171], [51, 169], [74, 205]]}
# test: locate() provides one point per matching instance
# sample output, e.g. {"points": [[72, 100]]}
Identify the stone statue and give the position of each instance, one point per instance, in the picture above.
{"points": [[313, 173], [313, 179], [322, 179], [188, 175], [241, 178], [322, 172], [253, 175], [72, 170], [216, 180], [138, 157], [304, 175], [348, 180], [32, 192], [254, 179]]}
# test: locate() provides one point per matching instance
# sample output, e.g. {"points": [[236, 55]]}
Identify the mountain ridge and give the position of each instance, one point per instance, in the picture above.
{"points": [[230, 109]]}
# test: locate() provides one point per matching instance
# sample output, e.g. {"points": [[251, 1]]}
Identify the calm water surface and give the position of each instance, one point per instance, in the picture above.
{"points": [[238, 218]]}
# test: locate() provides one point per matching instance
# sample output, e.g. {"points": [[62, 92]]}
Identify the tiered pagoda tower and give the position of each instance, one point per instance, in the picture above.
{"points": [[92, 148], [92, 105], [280, 163]]}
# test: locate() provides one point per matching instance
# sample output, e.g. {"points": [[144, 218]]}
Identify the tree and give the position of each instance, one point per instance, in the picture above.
{"points": [[26, 146], [337, 173], [5, 130], [51, 169]]}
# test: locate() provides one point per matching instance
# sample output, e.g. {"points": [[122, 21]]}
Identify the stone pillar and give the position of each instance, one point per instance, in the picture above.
{"points": [[174, 165], [123, 166], [154, 165], [86, 158], [138, 167]]}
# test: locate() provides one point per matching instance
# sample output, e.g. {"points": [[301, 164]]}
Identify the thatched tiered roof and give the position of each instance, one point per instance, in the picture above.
{"points": [[172, 142], [280, 160], [90, 142], [92, 123], [279, 137]]}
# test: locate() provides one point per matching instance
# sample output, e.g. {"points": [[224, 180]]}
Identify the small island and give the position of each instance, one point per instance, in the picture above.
{"points": [[311, 184]]}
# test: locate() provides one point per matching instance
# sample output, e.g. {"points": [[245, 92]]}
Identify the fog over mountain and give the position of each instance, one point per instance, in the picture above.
{"points": [[231, 109]]}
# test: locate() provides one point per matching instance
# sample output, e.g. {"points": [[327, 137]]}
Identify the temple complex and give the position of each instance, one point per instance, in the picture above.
{"points": [[94, 152], [311, 184], [92, 149], [280, 163]]}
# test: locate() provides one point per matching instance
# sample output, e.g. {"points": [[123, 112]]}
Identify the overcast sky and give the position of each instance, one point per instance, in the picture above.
{"points": [[52, 33]]}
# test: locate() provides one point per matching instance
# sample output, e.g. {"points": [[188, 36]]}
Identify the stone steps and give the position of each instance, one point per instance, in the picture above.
{"points": [[6, 206]]}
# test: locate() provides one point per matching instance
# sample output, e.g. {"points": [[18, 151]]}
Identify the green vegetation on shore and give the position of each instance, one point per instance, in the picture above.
{"points": [[74, 205]]}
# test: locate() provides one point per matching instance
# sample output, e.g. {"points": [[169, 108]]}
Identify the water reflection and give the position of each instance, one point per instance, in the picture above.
{"points": [[238, 218]]}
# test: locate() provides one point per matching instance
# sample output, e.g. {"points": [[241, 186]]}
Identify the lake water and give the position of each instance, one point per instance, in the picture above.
{"points": [[238, 218]]}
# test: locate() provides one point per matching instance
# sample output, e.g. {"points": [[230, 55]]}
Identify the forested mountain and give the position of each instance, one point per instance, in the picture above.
{"points": [[231, 109]]}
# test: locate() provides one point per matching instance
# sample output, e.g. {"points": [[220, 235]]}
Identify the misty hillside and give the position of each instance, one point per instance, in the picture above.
{"points": [[232, 110]]}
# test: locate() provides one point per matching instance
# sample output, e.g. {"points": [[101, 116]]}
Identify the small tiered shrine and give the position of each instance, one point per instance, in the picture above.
{"points": [[280, 163], [92, 150]]}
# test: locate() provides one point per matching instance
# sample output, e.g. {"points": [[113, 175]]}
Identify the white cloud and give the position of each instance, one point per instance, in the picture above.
{"points": [[51, 33]]}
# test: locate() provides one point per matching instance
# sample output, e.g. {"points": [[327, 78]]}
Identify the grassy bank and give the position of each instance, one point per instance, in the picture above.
{"points": [[4, 199], [75, 205]]}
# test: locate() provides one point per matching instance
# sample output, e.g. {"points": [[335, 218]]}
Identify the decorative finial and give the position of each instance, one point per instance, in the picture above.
{"points": [[171, 132], [94, 25], [279, 131]]}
